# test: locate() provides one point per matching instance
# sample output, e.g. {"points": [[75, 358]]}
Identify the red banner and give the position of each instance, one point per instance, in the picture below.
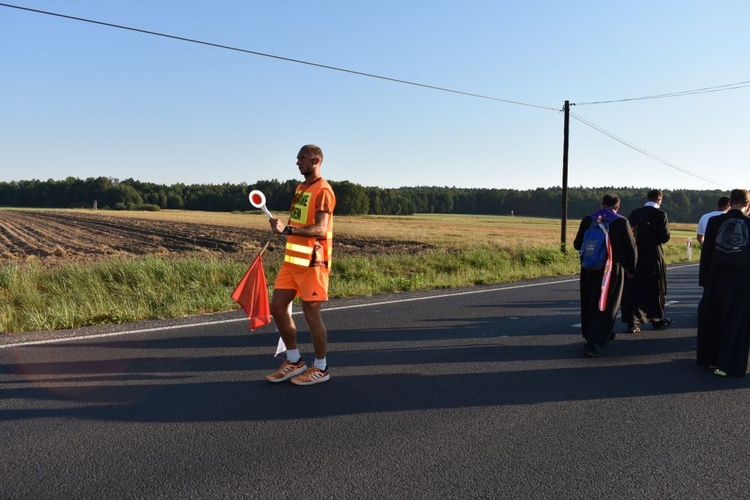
{"points": [[252, 294]]}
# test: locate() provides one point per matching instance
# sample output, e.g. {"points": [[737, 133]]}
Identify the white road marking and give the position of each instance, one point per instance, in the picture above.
{"points": [[339, 308]]}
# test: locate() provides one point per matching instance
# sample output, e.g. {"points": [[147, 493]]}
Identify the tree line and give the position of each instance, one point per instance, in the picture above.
{"points": [[351, 198]]}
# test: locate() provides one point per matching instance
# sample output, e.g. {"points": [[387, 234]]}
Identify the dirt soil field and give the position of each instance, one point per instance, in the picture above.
{"points": [[54, 237]]}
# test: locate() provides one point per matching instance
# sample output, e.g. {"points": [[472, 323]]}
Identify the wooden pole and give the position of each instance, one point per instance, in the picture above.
{"points": [[564, 212]]}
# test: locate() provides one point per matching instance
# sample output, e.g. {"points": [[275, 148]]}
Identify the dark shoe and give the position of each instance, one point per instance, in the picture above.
{"points": [[634, 329], [611, 337], [591, 350], [662, 324]]}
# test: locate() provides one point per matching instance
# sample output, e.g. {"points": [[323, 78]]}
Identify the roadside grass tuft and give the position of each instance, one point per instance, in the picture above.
{"points": [[446, 268], [113, 291]]}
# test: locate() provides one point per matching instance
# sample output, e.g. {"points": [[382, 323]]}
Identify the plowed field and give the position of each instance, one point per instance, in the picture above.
{"points": [[54, 237]]}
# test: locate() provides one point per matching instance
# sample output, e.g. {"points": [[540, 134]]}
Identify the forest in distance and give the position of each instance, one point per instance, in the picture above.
{"points": [[352, 199]]}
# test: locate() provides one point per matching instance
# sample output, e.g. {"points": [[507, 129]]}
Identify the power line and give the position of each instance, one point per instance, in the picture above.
{"points": [[642, 151], [704, 90], [281, 58]]}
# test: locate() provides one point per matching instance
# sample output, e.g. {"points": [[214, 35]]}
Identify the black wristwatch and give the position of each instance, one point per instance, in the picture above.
{"points": [[288, 230]]}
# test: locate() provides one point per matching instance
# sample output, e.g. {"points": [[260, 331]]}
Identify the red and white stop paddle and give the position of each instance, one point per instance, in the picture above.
{"points": [[258, 200]]}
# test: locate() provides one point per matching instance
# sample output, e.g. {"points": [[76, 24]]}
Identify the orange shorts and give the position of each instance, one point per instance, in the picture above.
{"points": [[310, 283]]}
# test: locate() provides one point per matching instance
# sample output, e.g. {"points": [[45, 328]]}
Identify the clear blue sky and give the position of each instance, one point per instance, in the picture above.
{"points": [[84, 100]]}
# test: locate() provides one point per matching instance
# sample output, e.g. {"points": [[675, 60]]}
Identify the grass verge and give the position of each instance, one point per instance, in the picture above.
{"points": [[117, 291], [34, 297], [114, 291]]}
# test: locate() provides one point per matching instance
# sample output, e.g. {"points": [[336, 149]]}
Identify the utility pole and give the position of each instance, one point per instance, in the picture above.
{"points": [[564, 211]]}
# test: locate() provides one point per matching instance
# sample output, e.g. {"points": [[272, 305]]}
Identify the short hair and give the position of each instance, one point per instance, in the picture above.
{"points": [[314, 151], [611, 201], [723, 202], [738, 197], [654, 195]]}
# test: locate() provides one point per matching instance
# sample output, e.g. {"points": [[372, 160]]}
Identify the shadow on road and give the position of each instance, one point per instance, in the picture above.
{"points": [[165, 389], [434, 363]]}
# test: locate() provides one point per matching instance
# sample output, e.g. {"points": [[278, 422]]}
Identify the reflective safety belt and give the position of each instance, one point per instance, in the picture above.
{"points": [[297, 261], [300, 249]]}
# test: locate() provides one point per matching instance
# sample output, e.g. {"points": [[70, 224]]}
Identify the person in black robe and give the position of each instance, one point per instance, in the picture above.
{"points": [[645, 293], [597, 323], [724, 311]]}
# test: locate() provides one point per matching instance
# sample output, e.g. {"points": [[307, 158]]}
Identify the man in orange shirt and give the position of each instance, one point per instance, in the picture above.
{"points": [[305, 271]]}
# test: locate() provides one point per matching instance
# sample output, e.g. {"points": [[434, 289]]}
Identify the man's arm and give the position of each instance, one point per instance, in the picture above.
{"points": [[700, 231], [316, 230], [707, 250], [663, 234]]}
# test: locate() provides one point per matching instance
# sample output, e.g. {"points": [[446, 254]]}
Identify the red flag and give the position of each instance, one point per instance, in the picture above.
{"points": [[252, 294], [607, 276]]}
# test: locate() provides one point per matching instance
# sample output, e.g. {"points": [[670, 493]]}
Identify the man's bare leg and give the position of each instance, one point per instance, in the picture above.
{"points": [[281, 313], [318, 330]]}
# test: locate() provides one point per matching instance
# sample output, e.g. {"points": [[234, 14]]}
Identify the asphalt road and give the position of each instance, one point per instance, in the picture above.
{"points": [[472, 393]]}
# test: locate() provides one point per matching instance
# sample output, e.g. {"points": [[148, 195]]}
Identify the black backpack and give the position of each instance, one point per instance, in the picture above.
{"points": [[732, 244], [641, 225]]}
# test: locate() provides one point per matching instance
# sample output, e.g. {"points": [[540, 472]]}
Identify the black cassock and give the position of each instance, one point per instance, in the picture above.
{"points": [[645, 293], [596, 325], [724, 310]]}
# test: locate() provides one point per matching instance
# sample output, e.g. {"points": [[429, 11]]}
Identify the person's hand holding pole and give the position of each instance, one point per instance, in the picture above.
{"points": [[278, 227], [258, 200]]}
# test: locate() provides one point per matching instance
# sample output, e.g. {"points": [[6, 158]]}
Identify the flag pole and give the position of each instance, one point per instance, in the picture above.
{"points": [[252, 291], [268, 241]]}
